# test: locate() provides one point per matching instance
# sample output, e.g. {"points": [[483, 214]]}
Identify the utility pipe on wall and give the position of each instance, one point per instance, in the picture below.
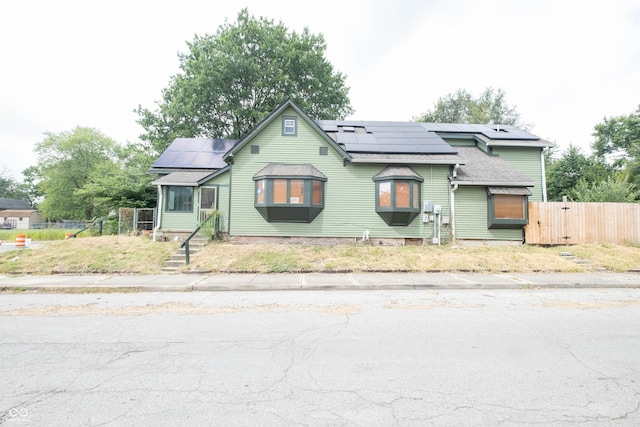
{"points": [[452, 220], [544, 177], [452, 209], [159, 208]]}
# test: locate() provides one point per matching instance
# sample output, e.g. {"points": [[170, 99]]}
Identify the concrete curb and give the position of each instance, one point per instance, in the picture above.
{"points": [[315, 281]]}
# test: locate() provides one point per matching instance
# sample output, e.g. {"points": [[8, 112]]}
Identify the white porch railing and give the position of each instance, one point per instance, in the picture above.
{"points": [[204, 214]]}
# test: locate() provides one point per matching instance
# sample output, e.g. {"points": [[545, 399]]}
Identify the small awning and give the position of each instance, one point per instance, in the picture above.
{"points": [[513, 191], [184, 178], [276, 170], [398, 172]]}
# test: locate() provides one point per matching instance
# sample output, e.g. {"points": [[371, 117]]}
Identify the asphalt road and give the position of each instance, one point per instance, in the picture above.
{"points": [[7, 246], [354, 358]]}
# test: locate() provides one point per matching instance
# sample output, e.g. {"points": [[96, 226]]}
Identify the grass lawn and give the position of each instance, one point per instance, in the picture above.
{"points": [[40, 235], [106, 254], [139, 255]]}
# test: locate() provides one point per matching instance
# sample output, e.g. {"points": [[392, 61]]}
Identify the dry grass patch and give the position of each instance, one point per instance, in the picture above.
{"points": [[609, 256], [106, 254], [223, 257], [139, 255]]}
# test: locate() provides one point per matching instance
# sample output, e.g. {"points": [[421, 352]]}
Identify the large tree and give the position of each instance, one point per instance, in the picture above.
{"points": [[84, 174], [231, 80], [124, 182], [618, 142], [67, 162], [462, 107], [618, 136], [615, 188], [572, 167], [12, 189]]}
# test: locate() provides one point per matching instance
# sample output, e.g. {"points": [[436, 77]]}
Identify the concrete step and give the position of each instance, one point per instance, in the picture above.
{"points": [[571, 257], [191, 250], [179, 258], [183, 254], [198, 243]]}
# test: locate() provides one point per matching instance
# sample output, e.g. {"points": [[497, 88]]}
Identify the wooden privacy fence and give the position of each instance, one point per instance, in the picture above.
{"points": [[567, 223]]}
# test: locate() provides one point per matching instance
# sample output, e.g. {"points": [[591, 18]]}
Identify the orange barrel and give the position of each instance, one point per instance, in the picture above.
{"points": [[20, 240], [68, 235]]}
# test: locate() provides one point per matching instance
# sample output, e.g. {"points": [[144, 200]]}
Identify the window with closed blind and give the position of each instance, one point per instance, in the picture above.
{"points": [[508, 207]]}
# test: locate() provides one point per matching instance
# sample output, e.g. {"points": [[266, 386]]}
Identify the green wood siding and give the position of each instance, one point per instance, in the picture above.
{"points": [[471, 217], [179, 221], [527, 161], [223, 207], [221, 182], [349, 193], [188, 221]]}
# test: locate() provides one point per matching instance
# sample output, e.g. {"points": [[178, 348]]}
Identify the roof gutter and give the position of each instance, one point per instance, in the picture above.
{"points": [[405, 161], [544, 177], [493, 184]]}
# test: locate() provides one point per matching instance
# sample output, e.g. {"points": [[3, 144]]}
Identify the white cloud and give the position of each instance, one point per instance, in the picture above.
{"points": [[565, 64]]}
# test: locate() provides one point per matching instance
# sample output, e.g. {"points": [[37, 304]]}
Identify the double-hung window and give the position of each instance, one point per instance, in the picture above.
{"points": [[289, 126], [289, 193], [398, 195]]}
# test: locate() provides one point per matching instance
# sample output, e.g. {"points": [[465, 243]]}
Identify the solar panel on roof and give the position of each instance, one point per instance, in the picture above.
{"points": [[511, 134], [395, 138], [186, 158], [365, 138], [492, 131], [194, 153], [399, 148], [167, 158], [203, 160]]}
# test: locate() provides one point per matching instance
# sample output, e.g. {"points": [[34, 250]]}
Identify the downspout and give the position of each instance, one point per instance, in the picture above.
{"points": [[544, 176], [157, 227], [453, 206], [230, 191], [453, 215]]}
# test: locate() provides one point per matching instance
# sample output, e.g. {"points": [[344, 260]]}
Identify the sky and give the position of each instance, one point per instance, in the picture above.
{"points": [[565, 65]]}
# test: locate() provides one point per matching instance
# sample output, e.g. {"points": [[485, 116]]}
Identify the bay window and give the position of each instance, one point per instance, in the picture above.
{"points": [[289, 193], [398, 195]]}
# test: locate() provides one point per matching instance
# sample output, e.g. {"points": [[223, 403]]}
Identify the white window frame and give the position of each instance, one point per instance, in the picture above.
{"points": [[289, 126]]}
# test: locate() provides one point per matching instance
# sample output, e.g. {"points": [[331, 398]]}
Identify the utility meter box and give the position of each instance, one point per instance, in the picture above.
{"points": [[437, 209], [428, 206]]}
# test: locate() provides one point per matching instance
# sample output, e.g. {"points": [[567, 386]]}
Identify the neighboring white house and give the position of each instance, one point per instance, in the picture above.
{"points": [[19, 219], [16, 213]]}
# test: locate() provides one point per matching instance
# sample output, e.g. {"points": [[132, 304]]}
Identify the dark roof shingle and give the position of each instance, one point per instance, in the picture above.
{"points": [[480, 168]]}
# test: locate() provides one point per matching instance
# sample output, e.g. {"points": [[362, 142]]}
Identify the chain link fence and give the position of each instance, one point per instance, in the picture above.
{"points": [[136, 220]]}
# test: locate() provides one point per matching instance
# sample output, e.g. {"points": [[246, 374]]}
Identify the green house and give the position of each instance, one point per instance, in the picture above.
{"points": [[295, 179]]}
